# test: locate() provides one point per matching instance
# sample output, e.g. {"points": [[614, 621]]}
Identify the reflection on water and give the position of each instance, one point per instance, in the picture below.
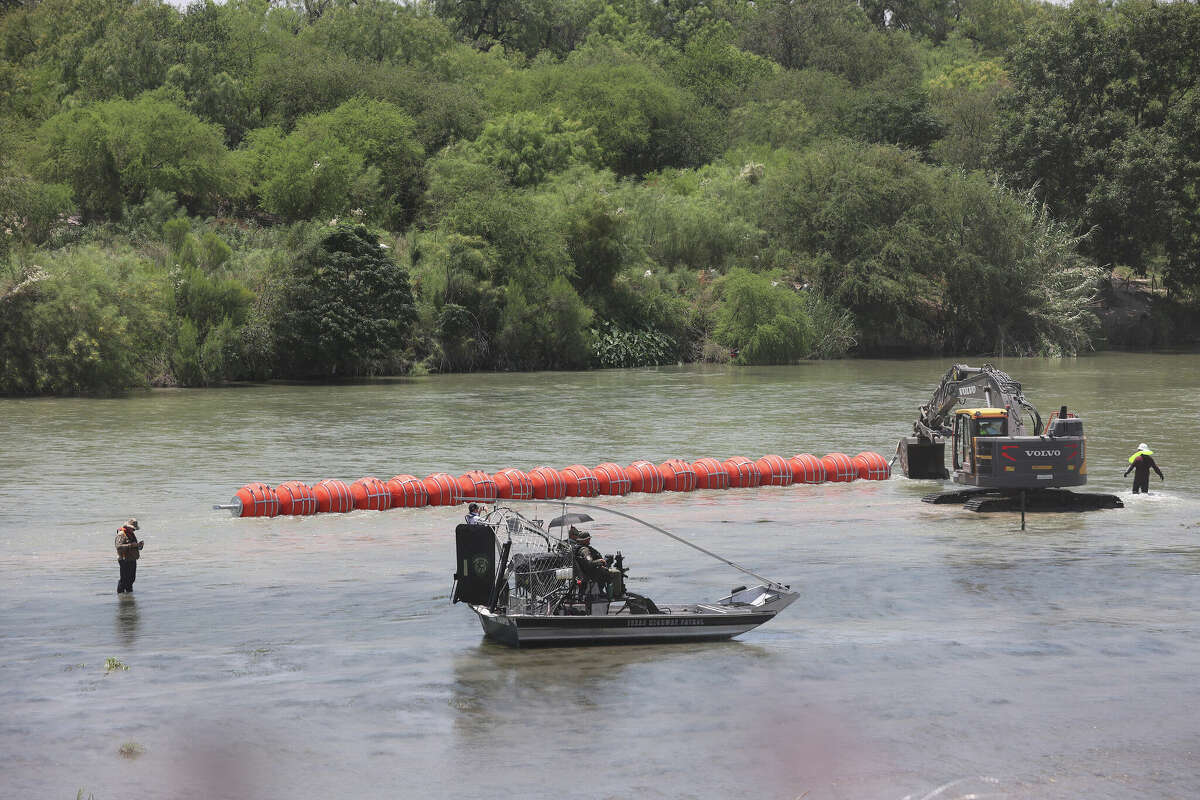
{"points": [[319, 656], [127, 619]]}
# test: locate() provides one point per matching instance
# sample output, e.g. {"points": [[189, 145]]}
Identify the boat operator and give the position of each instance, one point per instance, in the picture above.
{"points": [[592, 565], [473, 516], [1141, 463]]}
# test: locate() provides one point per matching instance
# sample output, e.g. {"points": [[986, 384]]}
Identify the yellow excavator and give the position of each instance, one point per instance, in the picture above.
{"points": [[999, 447]]}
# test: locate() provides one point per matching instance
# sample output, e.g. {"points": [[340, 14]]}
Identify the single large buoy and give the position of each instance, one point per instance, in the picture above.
{"points": [[548, 483], [477, 483], [710, 474], [644, 477], [442, 489], [678, 475], [254, 500], [807, 468], [872, 466], [333, 495], [514, 484], [611, 479], [839, 468], [775, 470], [371, 494], [743, 473], [580, 481], [408, 491], [296, 499]]}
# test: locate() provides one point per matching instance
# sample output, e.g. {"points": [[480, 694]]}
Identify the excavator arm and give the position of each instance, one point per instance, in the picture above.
{"points": [[984, 387]]}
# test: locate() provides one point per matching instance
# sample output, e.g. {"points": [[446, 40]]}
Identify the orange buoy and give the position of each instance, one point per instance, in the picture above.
{"points": [[407, 491], [872, 466], [514, 484], [644, 477], [442, 489], [611, 479], [548, 483], [371, 494], [775, 470], [839, 468], [807, 468], [743, 473], [580, 481], [255, 500], [678, 475], [333, 495], [296, 499], [710, 474], [477, 483]]}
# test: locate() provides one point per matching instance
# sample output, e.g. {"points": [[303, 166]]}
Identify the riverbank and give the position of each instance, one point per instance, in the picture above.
{"points": [[1136, 314]]}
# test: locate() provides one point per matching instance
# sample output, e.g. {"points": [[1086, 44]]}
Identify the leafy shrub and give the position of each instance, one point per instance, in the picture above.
{"points": [[614, 347], [116, 152], [763, 319], [88, 321], [527, 146]]}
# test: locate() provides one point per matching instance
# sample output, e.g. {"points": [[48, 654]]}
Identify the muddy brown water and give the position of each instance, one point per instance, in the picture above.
{"points": [[932, 652]]}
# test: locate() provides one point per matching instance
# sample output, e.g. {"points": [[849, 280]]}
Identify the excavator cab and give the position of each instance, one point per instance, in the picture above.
{"points": [[972, 456]]}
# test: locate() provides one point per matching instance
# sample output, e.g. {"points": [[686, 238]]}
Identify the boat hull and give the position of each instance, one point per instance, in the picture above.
{"points": [[711, 622]]}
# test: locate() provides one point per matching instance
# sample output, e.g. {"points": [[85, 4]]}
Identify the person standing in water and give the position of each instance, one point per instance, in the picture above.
{"points": [[1141, 463], [128, 550]]}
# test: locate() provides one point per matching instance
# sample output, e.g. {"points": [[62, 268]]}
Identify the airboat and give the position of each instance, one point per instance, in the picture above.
{"points": [[524, 579]]}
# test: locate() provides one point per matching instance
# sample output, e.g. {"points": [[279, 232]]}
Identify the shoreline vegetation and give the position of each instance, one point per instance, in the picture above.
{"points": [[327, 189]]}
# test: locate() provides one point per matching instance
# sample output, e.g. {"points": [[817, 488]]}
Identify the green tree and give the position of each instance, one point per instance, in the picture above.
{"points": [[350, 310], [528, 26], [527, 146], [832, 36], [115, 153], [642, 120], [85, 322], [385, 137], [1090, 122], [381, 31], [763, 318], [929, 259]]}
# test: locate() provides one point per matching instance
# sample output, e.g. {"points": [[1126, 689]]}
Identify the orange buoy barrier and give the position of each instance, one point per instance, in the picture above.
{"points": [[775, 470], [442, 489], [839, 468], [548, 483], [872, 466], [807, 468], [255, 500], [333, 495], [581, 481], [678, 475], [371, 494], [743, 473], [296, 499], [611, 479], [514, 484], [710, 474], [477, 483], [644, 477], [408, 491]]}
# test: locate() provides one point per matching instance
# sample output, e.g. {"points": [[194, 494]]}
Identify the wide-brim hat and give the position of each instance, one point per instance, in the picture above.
{"points": [[132, 523]]}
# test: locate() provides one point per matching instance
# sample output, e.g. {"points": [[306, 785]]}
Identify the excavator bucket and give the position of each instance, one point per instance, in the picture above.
{"points": [[923, 460]]}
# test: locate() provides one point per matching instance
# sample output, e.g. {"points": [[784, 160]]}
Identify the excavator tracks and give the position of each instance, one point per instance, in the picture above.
{"points": [[1036, 500]]}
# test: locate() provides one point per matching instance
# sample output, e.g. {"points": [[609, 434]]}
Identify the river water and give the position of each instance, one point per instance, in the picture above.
{"points": [[932, 653]]}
